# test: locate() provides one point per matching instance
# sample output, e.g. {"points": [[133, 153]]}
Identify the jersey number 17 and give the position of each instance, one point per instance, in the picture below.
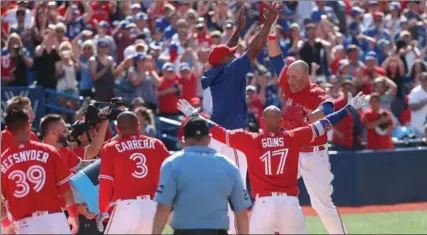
{"points": [[267, 156]]}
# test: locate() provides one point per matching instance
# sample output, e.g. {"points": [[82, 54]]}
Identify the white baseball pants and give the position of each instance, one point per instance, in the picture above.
{"points": [[239, 159], [44, 223], [277, 213], [315, 170], [132, 216]]}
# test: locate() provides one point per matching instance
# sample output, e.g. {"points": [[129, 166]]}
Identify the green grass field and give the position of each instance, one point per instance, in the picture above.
{"points": [[413, 222]]}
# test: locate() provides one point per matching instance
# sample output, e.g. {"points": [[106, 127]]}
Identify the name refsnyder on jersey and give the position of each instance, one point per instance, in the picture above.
{"points": [[23, 156]]}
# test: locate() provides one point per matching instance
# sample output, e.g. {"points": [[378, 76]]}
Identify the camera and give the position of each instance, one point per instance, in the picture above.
{"points": [[92, 117]]}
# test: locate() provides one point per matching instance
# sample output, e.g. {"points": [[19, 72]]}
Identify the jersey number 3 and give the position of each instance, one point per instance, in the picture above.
{"points": [[266, 158], [35, 175], [141, 168]]}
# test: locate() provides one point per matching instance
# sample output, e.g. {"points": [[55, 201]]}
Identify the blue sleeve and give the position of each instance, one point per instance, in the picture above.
{"points": [[166, 191], [239, 67], [327, 107], [239, 198], [324, 125], [277, 63]]}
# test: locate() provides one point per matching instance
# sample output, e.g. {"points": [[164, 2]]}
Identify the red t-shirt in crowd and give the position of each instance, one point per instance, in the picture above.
{"points": [[33, 177], [100, 12], [167, 103], [189, 87], [7, 65], [255, 106], [7, 139], [346, 126], [374, 139]]}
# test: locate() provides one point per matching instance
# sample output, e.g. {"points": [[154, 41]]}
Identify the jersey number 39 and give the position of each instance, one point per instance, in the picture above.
{"points": [[266, 158], [35, 175]]}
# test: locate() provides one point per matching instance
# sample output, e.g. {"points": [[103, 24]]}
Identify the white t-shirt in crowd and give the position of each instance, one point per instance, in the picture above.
{"points": [[418, 117]]}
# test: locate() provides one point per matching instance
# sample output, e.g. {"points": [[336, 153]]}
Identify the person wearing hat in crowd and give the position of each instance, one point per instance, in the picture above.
{"points": [[124, 38], [103, 28], [10, 17], [198, 183], [228, 31], [76, 23], [392, 20], [368, 17], [169, 91], [145, 80], [376, 30], [226, 80], [142, 26], [135, 8], [188, 81], [102, 70]]}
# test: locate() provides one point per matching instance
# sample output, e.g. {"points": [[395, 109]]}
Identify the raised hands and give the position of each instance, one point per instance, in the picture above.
{"points": [[273, 11], [186, 108], [356, 102], [241, 21]]}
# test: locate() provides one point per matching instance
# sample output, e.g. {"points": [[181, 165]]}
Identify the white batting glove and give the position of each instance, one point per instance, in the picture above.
{"points": [[186, 108], [356, 102], [99, 219]]}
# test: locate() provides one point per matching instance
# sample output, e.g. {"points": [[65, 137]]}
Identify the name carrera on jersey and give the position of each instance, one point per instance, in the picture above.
{"points": [[273, 142], [23, 156], [134, 145]]}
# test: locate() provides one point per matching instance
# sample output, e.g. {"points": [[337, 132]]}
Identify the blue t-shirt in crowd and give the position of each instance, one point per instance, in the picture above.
{"points": [[169, 32], [162, 23], [228, 89], [75, 27], [86, 82], [199, 183]]}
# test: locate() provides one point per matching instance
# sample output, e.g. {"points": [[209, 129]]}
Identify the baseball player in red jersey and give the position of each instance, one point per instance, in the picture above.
{"points": [[34, 181], [17, 102], [273, 165], [129, 175], [305, 103], [53, 132]]}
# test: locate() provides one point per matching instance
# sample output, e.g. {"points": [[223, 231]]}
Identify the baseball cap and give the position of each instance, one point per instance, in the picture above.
{"points": [[371, 55], [141, 16], [103, 24], [229, 25], [136, 6], [184, 66], [251, 88], [219, 52], [395, 6], [168, 67], [102, 43], [196, 127], [356, 10], [378, 15]]}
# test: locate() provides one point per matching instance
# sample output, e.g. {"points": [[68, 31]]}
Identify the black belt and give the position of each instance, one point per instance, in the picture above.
{"points": [[200, 232]]}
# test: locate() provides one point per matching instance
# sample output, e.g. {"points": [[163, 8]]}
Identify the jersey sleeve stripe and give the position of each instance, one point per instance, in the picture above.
{"points": [[77, 166], [227, 138], [105, 177], [64, 180], [313, 130]]}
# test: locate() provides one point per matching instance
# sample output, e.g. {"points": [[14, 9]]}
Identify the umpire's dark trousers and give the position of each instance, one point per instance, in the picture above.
{"points": [[200, 232]]}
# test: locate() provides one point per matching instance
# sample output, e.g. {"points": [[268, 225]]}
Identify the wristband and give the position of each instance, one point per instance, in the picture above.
{"points": [[272, 37], [72, 210], [5, 222]]}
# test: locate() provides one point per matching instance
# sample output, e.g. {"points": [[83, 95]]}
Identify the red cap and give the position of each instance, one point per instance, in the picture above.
{"points": [[378, 15], [195, 101], [219, 52]]}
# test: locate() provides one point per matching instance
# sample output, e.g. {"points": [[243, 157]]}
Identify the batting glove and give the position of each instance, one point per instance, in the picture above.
{"points": [[187, 109], [356, 102], [101, 218]]}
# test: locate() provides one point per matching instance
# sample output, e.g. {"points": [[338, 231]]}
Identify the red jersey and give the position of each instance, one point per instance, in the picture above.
{"points": [[375, 140], [189, 87], [345, 126], [7, 139], [33, 176], [133, 164], [272, 157], [167, 103], [80, 152], [71, 159], [310, 99]]}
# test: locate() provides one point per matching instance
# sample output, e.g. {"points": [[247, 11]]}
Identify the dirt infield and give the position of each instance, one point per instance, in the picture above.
{"points": [[308, 211]]}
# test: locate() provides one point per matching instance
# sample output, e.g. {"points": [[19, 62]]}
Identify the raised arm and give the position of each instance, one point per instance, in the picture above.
{"points": [[303, 135], [260, 39], [234, 40]]}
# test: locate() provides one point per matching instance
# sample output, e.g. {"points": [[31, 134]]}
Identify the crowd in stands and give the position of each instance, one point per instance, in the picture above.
{"points": [[152, 53]]}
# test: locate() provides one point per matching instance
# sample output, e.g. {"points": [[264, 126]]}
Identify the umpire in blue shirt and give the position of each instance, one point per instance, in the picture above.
{"points": [[198, 183]]}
